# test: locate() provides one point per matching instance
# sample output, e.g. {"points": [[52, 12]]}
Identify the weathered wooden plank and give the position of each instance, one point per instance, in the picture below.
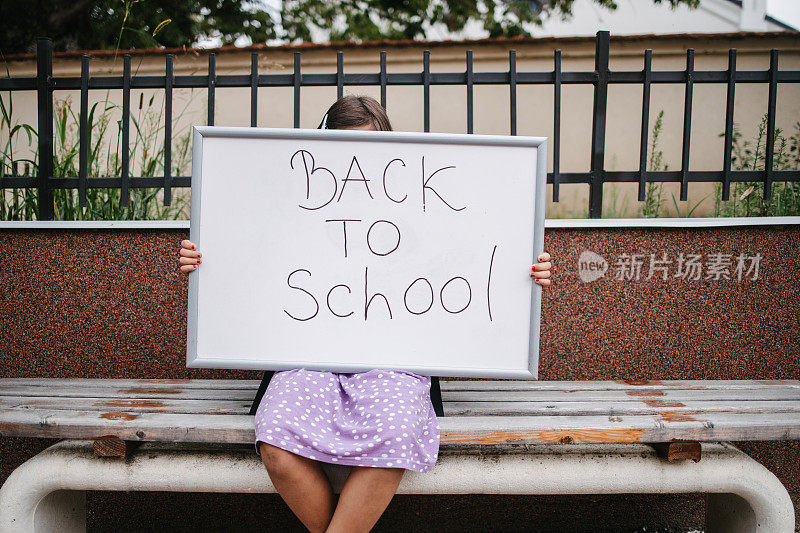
{"points": [[474, 385], [449, 385], [772, 392], [611, 408], [126, 426], [767, 393], [533, 430], [490, 412], [140, 392], [455, 431], [163, 405], [242, 384], [617, 408]]}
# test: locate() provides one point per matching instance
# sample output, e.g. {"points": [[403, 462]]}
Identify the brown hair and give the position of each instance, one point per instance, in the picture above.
{"points": [[350, 110]]}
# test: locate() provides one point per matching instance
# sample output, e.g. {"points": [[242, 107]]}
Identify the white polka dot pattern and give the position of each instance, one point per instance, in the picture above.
{"points": [[376, 418]]}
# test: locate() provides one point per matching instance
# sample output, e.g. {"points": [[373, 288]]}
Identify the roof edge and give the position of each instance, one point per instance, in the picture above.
{"points": [[772, 19], [767, 17], [407, 43]]}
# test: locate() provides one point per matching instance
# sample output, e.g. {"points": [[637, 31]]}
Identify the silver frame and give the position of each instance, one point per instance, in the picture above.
{"points": [[193, 360]]}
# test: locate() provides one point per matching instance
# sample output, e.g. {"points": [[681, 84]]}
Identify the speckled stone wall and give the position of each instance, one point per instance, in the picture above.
{"points": [[112, 303]]}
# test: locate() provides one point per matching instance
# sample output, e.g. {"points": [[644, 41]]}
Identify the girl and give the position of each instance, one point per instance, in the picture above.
{"points": [[380, 422]]}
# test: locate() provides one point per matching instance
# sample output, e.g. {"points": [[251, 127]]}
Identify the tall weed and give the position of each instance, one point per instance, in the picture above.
{"points": [[747, 198]]}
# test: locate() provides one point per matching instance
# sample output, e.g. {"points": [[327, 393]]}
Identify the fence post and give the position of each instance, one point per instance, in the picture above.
{"points": [[44, 72], [597, 169]]}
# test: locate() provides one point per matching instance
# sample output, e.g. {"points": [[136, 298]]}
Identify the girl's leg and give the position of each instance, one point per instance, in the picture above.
{"points": [[302, 484], [365, 495]]}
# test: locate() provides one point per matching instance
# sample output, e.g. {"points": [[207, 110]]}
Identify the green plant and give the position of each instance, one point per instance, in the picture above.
{"points": [[651, 206], [18, 204], [146, 148], [102, 203], [610, 209], [146, 151], [690, 211], [748, 200], [582, 212]]}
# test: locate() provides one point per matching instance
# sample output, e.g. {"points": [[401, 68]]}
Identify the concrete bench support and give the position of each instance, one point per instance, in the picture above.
{"points": [[46, 493]]}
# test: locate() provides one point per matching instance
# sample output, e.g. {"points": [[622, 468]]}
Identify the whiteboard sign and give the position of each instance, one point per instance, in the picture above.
{"points": [[350, 250]]}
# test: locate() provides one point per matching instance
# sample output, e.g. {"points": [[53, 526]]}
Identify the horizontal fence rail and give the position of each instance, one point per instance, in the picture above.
{"points": [[45, 84]]}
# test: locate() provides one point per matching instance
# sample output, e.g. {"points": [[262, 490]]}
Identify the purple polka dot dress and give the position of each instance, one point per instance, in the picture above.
{"points": [[376, 418]]}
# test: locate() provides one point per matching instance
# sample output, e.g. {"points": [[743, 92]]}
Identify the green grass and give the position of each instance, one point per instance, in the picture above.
{"points": [[653, 198], [16, 204], [146, 152], [747, 199]]}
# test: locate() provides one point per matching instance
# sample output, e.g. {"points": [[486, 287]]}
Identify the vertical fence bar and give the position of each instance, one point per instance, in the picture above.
{"points": [[687, 124], [212, 83], [297, 80], [383, 78], [83, 135], [253, 90], [44, 96], [426, 90], [602, 45], [729, 105], [126, 112], [512, 91], [339, 74], [773, 96], [647, 78], [470, 80], [168, 82], [556, 122]]}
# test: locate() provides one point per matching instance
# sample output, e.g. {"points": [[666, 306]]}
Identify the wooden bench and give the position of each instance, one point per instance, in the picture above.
{"points": [[497, 437]]}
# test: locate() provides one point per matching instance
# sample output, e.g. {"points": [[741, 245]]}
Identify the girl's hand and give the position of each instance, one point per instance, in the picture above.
{"points": [[541, 271], [189, 256]]}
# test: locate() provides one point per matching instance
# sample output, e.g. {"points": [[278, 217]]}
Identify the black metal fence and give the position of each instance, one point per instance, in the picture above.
{"points": [[45, 84]]}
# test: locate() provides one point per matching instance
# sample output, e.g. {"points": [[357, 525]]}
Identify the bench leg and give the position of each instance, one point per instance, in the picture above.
{"points": [[30, 501], [63, 511], [46, 493], [743, 495], [729, 513]]}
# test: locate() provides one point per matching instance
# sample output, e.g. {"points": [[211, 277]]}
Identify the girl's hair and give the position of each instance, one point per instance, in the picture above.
{"points": [[350, 110]]}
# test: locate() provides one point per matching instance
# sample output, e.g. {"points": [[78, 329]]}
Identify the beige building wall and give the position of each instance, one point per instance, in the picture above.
{"points": [[448, 103]]}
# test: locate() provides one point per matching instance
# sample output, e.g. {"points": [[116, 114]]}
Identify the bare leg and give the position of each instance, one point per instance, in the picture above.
{"points": [[365, 496], [302, 484]]}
